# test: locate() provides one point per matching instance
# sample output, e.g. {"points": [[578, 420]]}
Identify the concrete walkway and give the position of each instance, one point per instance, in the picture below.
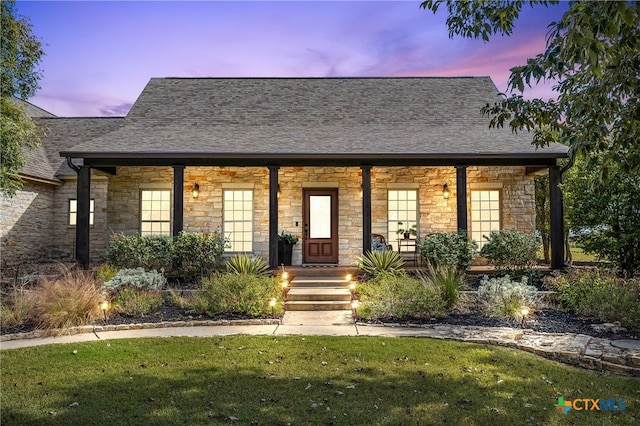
{"points": [[618, 356]]}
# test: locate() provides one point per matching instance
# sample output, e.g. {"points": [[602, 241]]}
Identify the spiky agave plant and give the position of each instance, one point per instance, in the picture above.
{"points": [[247, 264], [373, 263], [448, 279]]}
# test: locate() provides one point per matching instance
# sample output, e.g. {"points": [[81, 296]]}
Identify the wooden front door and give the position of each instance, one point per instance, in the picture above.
{"points": [[320, 238]]}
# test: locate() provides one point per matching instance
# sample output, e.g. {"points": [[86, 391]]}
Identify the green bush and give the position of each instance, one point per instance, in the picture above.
{"points": [[374, 263], [448, 249], [503, 298], [599, 295], [137, 279], [135, 303], [197, 254], [106, 272], [188, 255], [395, 295], [511, 251], [448, 279], [134, 251], [247, 265], [238, 294]]}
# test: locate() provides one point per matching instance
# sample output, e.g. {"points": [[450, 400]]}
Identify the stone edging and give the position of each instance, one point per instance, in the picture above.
{"points": [[36, 334], [574, 349]]}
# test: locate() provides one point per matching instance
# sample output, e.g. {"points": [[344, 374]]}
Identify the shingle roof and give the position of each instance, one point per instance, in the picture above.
{"points": [[189, 117]]}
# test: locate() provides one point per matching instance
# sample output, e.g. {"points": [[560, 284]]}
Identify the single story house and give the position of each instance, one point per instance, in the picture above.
{"points": [[331, 160]]}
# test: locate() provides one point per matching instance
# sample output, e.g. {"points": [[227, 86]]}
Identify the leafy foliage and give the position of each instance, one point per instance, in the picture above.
{"points": [[449, 280], [395, 295], [197, 254], [247, 265], [69, 301], [373, 263], [287, 238], [246, 294], [602, 207], [448, 249], [189, 254], [592, 54], [501, 297], [19, 74], [510, 251], [137, 279], [600, 295], [135, 303]]}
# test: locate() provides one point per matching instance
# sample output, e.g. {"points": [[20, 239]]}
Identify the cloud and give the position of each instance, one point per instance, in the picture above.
{"points": [[116, 110]]}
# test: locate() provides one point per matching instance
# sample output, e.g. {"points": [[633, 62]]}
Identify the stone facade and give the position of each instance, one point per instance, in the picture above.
{"points": [[26, 224], [204, 214]]}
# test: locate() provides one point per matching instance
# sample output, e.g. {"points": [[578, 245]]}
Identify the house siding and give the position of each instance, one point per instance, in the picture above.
{"points": [[204, 214], [26, 224]]}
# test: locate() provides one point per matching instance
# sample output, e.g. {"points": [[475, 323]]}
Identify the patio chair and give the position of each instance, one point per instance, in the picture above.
{"points": [[378, 243]]}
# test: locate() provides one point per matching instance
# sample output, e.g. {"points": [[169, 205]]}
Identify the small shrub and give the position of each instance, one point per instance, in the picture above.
{"points": [[246, 294], [374, 263], [72, 300], [197, 254], [134, 251], [395, 295], [135, 303], [448, 249], [137, 279], [17, 307], [600, 295], [177, 299], [511, 251], [247, 265], [501, 297], [106, 272], [449, 280]]}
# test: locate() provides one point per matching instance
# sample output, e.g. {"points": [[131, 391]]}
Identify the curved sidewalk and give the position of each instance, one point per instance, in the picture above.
{"points": [[618, 356]]}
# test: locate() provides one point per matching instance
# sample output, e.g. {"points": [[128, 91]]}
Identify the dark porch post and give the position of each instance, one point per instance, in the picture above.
{"points": [[366, 208], [273, 216], [556, 218], [178, 199], [461, 197], [83, 194]]}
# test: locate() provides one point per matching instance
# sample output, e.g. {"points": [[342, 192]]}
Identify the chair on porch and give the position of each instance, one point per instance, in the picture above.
{"points": [[378, 243]]}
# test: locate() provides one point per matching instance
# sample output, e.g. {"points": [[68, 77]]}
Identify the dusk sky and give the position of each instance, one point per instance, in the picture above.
{"points": [[99, 55]]}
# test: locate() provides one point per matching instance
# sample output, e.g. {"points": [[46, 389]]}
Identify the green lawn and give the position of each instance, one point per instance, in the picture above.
{"points": [[298, 380]]}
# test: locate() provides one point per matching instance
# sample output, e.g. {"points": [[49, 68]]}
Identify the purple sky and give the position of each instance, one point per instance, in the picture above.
{"points": [[100, 55]]}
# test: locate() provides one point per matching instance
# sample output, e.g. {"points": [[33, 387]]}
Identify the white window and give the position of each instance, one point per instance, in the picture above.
{"points": [[155, 212], [237, 220], [73, 211], [402, 214], [485, 214]]}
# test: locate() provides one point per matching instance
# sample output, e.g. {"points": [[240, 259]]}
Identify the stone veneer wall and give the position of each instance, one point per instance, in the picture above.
{"points": [[65, 234], [26, 224], [204, 214]]}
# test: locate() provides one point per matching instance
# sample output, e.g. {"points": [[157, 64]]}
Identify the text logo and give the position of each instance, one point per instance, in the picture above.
{"points": [[586, 404]]}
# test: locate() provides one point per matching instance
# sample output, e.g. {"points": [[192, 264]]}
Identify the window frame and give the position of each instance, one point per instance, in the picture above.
{"points": [[141, 220], [227, 222], [473, 223], [92, 204], [392, 236]]}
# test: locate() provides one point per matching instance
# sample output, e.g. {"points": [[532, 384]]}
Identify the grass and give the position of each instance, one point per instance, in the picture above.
{"points": [[298, 380]]}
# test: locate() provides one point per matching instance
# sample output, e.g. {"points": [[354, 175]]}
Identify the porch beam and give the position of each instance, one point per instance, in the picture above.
{"points": [[273, 217], [178, 199], [83, 195], [556, 218], [461, 197], [366, 208]]}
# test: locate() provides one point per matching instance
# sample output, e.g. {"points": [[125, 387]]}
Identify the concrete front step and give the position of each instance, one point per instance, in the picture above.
{"points": [[319, 282], [300, 305], [313, 294]]}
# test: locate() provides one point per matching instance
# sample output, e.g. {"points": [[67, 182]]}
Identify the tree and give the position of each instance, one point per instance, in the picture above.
{"points": [[19, 75], [604, 217], [593, 55]]}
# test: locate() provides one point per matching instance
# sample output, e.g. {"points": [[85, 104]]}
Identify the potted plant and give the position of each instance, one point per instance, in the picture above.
{"points": [[285, 247], [407, 231]]}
